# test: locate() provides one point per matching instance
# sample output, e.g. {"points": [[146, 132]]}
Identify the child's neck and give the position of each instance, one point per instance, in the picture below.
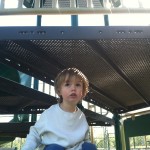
{"points": [[68, 108]]}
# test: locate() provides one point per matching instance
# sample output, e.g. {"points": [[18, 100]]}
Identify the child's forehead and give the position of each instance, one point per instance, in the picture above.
{"points": [[73, 78]]}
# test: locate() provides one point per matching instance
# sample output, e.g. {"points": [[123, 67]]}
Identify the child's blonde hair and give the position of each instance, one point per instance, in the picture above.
{"points": [[68, 73]]}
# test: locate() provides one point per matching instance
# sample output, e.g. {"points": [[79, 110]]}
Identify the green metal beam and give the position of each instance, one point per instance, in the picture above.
{"points": [[116, 118]]}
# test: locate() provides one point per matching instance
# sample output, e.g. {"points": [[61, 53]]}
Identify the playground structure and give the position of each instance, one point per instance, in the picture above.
{"points": [[114, 58], [74, 7]]}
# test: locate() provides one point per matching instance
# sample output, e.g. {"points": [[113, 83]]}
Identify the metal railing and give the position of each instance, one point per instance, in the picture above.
{"points": [[74, 7]]}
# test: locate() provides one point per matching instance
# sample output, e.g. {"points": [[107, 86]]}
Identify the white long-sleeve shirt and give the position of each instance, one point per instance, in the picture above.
{"points": [[56, 126]]}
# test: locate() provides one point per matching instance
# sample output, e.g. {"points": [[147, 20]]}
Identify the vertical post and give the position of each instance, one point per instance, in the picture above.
{"points": [[37, 4], [35, 86], [117, 132], [128, 142], [106, 20], [108, 141], [91, 135], [36, 82], [145, 141], [89, 4], [74, 20], [73, 4], [39, 17], [15, 118], [134, 142], [123, 141], [2, 4], [20, 3], [54, 3], [39, 20], [33, 118]]}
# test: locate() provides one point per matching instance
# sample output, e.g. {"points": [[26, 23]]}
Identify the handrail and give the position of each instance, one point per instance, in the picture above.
{"points": [[73, 11], [132, 115], [72, 8]]}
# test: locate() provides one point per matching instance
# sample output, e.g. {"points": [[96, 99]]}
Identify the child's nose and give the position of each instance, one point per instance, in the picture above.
{"points": [[73, 87]]}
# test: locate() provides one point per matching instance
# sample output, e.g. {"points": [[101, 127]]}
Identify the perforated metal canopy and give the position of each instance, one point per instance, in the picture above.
{"points": [[116, 61]]}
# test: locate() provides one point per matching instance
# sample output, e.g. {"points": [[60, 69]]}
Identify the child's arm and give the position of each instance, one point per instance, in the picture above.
{"points": [[33, 140]]}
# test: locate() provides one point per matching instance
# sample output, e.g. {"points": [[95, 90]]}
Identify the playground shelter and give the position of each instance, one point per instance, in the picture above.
{"points": [[115, 59]]}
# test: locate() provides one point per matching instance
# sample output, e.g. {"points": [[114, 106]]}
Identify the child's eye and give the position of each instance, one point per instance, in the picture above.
{"points": [[67, 84], [78, 84]]}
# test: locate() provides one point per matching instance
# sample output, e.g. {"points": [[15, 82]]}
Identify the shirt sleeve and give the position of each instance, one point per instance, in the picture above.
{"points": [[33, 139]]}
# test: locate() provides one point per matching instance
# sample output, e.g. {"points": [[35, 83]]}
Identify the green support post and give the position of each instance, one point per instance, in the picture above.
{"points": [[35, 86], [106, 20], [74, 20], [33, 117], [117, 132]]}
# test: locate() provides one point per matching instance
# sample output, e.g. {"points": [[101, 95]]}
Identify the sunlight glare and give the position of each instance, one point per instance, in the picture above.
{"points": [[11, 3]]}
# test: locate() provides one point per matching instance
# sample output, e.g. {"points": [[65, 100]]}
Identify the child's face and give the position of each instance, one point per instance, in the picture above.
{"points": [[72, 90]]}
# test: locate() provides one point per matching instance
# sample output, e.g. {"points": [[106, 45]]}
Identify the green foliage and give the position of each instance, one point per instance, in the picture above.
{"points": [[17, 143], [140, 142], [105, 143]]}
